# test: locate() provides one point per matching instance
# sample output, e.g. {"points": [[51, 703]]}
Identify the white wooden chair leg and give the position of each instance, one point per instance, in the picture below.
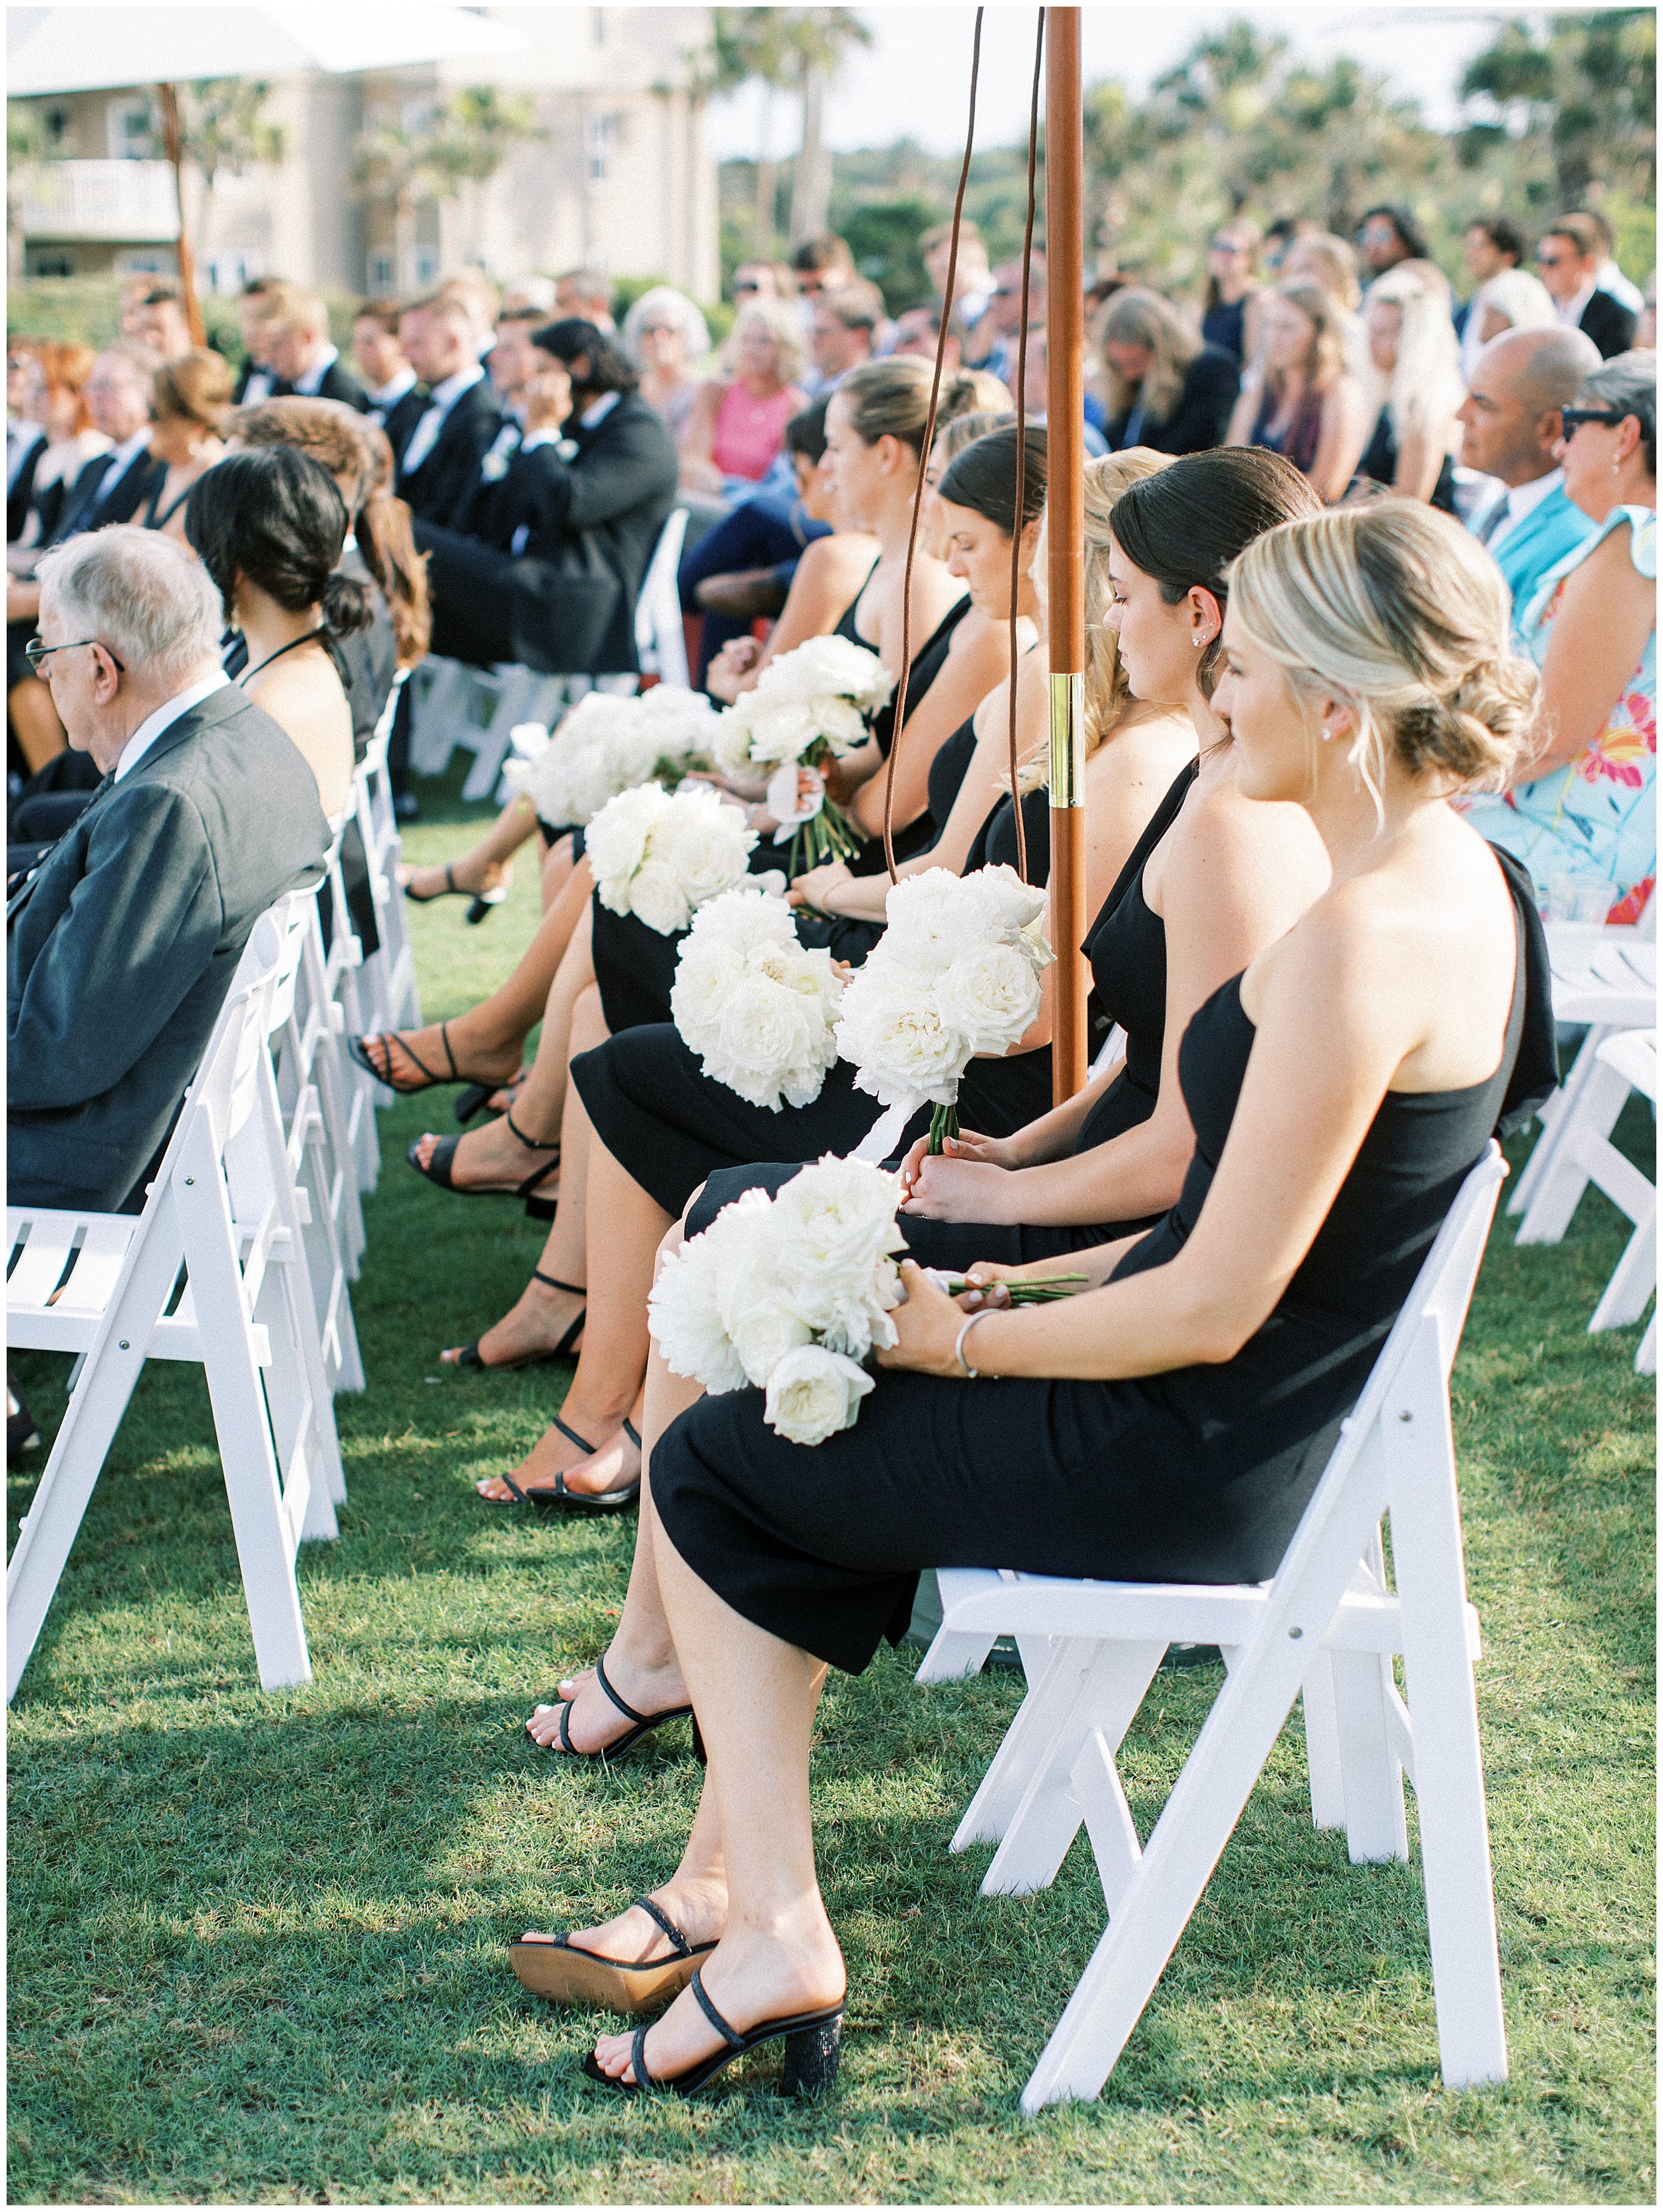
{"points": [[1449, 1775], [1645, 1360], [1322, 1746], [265, 1543], [1594, 1114], [1371, 1779], [1048, 1816], [1633, 1279], [1553, 1117], [1026, 1743]]}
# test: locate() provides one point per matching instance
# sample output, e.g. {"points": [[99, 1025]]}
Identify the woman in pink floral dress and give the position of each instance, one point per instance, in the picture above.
{"points": [[1586, 822]]}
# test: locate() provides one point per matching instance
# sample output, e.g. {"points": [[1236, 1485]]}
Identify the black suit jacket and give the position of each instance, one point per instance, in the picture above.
{"points": [[240, 396], [1202, 413], [591, 521], [86, 508], [122, 945], [440, 488], [337, 382], [21, 491], [1609, 324], [400, 419]]}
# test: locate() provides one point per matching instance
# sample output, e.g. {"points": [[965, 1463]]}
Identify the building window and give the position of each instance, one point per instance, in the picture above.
{"points": [[129, 129], [146, 261], [425, 265], [602, 136], [49, 261], [381, 275], [228, 272]]}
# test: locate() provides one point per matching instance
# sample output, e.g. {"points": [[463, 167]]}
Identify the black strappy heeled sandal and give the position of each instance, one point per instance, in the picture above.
{"points": [[558, 1496], [477, 1095], [552, 1966], [359, 1048], [483, 901], [813, 2043], [644, 1724], [469, 1355], [437, 1169]]}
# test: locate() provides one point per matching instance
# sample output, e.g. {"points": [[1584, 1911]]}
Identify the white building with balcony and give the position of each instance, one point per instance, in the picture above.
{"points": [[617, 174]]}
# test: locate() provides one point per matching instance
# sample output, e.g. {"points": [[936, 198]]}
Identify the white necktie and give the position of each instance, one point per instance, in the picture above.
{"points": [[423, 439]]}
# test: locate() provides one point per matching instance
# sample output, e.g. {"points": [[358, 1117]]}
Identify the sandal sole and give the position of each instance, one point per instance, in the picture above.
{"points": [[576, 1978]]}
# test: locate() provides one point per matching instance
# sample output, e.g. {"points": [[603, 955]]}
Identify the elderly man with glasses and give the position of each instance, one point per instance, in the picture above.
{"points": [[121, 943]]}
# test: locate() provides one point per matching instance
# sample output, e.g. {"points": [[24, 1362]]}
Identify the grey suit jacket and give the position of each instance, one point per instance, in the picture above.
{"points": [[122, 945]]}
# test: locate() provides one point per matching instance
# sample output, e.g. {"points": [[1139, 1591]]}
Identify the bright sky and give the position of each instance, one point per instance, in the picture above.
{"points": [[914, 80]]}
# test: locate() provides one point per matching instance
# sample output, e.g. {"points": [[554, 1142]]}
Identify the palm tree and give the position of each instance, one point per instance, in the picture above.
{"points": [[461, 141], [224, 131], [797, 50]]}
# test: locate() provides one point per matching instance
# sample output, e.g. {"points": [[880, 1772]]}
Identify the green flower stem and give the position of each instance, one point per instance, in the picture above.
{"points": [[943, 1124], [1043, 1293]]}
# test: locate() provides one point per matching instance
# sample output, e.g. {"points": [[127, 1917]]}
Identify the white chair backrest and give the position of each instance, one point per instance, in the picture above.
{"points": [[661, 645]]}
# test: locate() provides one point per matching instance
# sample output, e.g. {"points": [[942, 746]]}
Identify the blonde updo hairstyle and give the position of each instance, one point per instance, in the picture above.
{"points": [[1398, 610], [890, 398]]}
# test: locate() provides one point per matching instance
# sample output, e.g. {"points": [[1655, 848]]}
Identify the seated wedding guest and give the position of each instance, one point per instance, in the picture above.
{"points": [[918, 329], [438, 468], [972, 279], [1229, 307], [162, 325], [1515, 301], [738, 422], [394, 402], [1162, 388], [666, 338], [533, 291], [112, 486], [1388, 235], [1494, 246], [560, 543], [129, 300], [584, 296], [260, 297], [296, 345], [1510, 431], [1416, 354], [744, 567], [845, 322], [26, 437], [190, 399], [268, 526], [474, 292], [1582, 810], [58, 416], [1311, 410], [1569, 260], [1170, 1421], [122, 943], [1319, 258], [1227, 878]]}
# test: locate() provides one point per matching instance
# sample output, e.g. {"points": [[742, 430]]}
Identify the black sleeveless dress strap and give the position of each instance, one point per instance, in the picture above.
{"points": [[845, 622], [1198, 1474]]}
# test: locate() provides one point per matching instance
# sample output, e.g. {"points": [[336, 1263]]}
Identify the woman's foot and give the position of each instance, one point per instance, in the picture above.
{"points": [[466, 875], [490, 1159], [697, 1907], [593, 1722], [752, 1976], [532, 1326], [611, 1466], [415, 1060]]}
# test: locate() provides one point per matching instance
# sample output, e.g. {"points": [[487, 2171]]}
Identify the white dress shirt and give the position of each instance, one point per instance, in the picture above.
{"points": [[307, 384], [164, 718], [1519, 499], [441, 400], [258, 387], [1608, 277], [120, 461], [1570, 311], [21, 439], [384, 400]]}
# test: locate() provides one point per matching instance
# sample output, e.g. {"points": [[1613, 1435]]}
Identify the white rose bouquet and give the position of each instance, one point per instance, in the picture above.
{"points": [[756, 1007], [607, 744], [661, 856], [809, 706], [788, 1293], [955, 973]]}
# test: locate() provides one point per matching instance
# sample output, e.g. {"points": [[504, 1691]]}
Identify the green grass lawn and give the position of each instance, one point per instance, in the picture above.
{"points": [[258, 1945]]}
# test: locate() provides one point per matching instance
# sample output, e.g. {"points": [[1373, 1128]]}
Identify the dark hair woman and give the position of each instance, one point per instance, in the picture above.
{"points": [[268, 526], [1162, 387]]}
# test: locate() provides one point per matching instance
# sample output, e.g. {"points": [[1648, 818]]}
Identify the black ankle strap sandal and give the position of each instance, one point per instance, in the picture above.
{"points": [[644, 1724], [813, 2043], [469, 1357]]}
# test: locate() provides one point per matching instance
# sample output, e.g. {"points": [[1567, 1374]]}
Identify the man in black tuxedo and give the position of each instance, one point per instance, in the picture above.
{"points": [[394, 400], [293, 339], [121, 945], [1568, 259], [556, 550], [438, 469]]}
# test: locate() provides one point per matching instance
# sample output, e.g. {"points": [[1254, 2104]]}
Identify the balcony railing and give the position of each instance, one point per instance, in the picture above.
{"points": [[126, 202]]}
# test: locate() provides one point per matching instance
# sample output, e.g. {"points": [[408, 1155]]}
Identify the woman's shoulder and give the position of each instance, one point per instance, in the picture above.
{"points": [[1217, 827], [844, 553], [1640, 524], [1157, 745]]}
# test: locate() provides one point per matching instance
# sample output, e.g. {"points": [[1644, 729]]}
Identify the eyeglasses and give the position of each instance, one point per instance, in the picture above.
{"points": [[34, 653], [1572, 418], [1553, 260], [747, 285], [1224, 245]]}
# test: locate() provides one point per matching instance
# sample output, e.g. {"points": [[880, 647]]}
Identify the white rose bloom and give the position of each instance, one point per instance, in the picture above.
{"points": [[744, 917], [783, 732], [930, 918], [829, 664], [991, 997], [685, 1314], [835, 1229], [617, 840], [654, 894], [898, 1041], [705, 975], [1008, 903], [812, 1393], [764, 1032], [840, 722], [705, 842], [762, 1333]]}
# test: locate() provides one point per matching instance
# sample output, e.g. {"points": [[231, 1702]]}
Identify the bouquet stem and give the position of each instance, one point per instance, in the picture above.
{"points": [[1042, 1293], [825, 836], [943, 1124]]}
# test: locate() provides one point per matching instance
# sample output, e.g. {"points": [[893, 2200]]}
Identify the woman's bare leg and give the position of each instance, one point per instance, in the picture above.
{"points": [[489, 1040], [483, 866], [34, 722], [492, 1156], [755, 1696]]}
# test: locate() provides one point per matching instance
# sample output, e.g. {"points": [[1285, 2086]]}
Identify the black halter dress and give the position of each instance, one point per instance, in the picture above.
{"points": [[1199, 1474], [674, 1127]]}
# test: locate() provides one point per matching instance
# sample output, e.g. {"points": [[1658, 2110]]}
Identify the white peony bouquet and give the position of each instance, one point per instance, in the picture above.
{"points": [[809, 706], [756, 1007], [607, 744], [955, 973], [788, 1293], [661, 856]]}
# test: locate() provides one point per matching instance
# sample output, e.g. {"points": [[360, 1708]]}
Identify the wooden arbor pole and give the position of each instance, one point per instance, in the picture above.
{"points": [[1065, 366], [173, 146]]}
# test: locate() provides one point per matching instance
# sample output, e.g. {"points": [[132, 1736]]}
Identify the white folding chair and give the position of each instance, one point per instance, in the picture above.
{"points": [[444, 691], [1607, 978], [1575, 1148], [1328, 1623], [223, 1214], [390, 971], [1625, 1062], [661, 642], [346, 992]]}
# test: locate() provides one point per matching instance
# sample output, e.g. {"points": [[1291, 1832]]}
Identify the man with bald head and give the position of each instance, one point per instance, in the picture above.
{"points": [[1510, 428]]}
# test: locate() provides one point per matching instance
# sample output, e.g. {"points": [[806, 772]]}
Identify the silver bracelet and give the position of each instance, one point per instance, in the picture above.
{"points": [[974, 1373]]}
